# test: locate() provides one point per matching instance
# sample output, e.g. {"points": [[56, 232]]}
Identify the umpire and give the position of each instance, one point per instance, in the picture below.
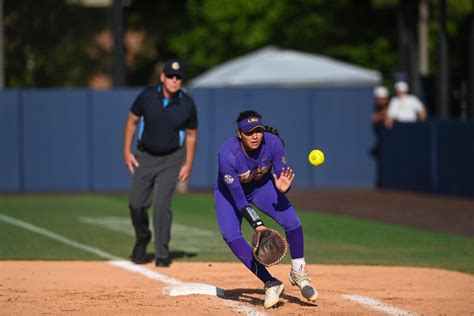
{"points": [[165, 153]]}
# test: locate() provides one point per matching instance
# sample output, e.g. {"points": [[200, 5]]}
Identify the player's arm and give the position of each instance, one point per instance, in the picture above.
{"points": [[252, 217], [228, 174], [231, 179]]}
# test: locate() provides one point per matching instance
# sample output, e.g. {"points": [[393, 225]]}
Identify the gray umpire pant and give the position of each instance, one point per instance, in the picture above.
{"points": [[156, 175]]}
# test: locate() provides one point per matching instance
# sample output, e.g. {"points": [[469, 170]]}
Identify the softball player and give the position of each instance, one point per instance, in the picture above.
{"points": [[244, 178]]}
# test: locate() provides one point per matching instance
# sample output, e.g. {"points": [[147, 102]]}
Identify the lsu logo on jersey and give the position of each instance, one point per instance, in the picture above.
{"points": [[244, 177], [255, 174], [228, 179]]}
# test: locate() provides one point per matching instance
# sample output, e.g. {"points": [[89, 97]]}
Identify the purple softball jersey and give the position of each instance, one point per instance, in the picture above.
{"points": [[244, 180]]}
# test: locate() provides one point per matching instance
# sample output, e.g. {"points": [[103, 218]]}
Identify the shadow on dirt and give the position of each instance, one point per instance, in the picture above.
{"points": [[249, 296]]}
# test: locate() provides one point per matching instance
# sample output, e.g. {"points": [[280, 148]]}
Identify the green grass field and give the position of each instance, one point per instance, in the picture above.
{"points": [[102, 221]]}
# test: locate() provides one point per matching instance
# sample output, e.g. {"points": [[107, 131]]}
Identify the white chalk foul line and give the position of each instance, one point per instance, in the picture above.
{"points": [[116, 261], [102, 254], [377, 305], [186, 238], [57, 237]]}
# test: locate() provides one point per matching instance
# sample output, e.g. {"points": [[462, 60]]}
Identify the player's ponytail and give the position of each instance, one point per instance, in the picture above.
{"points": [[274, 131]]}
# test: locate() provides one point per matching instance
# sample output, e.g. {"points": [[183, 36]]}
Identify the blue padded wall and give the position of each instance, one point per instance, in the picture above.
{"points": [[455, 157], [201, 175], [71, 140], [10, 138], [55, 134], [64, 140], [434, 157], [109, 111], [342, 129], [407, 157]]}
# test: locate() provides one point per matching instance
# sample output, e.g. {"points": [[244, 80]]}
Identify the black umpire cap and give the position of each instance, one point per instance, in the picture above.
{"points": [[174, 67]]}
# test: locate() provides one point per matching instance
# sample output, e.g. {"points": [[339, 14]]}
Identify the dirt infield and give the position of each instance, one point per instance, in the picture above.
{"points": [[42, 287]]}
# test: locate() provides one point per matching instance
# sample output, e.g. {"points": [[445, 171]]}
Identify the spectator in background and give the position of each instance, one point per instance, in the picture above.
{"points": [[381, 106], [165, 154], [404, 107], [379, 116]]}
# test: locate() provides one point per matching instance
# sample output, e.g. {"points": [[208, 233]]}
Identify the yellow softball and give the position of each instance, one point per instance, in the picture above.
{"points": [[316, 157]]}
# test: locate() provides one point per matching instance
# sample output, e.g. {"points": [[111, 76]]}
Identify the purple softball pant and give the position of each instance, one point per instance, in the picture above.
{"points": [[266, 198]]}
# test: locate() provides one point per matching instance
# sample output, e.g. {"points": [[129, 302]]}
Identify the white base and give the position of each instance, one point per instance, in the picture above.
{"points": [[193, 288]]}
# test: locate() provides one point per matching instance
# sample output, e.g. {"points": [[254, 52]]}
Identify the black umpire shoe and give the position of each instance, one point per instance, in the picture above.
{"points": [[139, 253], [163, 262]]}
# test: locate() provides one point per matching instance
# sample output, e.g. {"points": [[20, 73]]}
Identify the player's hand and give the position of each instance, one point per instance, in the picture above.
{"points": [[131, 162], [184, 173], [283, 183]]}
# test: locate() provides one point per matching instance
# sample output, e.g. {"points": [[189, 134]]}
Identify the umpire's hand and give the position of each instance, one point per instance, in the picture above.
{"points": [[184, 173], [130, 161]]}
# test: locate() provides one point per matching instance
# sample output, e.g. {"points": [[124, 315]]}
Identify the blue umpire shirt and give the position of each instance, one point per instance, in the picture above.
{"points": [[161, 129]]}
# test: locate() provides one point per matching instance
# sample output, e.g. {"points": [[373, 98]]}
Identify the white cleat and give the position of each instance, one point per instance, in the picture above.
{"points": [[302, 280], [273, 289]]}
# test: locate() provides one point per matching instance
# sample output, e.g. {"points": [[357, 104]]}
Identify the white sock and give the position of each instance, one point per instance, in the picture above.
{"points": [[298, 265]]}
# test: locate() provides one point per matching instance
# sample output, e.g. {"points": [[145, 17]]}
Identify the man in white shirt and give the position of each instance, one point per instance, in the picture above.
{"points": [[404, 107]]}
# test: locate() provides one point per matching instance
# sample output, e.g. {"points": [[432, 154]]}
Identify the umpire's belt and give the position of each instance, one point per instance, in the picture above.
{"points": [[141, 148]]}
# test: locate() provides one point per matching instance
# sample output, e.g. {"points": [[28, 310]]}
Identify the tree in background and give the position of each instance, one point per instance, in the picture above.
{"points": [[54, 43], [363, 33], [158, 22], [46, 43]]}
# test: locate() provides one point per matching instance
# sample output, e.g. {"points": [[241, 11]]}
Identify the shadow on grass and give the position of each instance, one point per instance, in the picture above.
{"points": [[150, 256]]}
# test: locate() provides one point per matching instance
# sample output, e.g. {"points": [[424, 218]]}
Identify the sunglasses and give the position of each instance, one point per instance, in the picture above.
{"points": [[178, 77]]}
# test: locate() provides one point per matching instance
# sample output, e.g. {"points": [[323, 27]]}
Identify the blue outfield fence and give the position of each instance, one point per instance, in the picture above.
{"points": [[54, 146], [63, 140], [432, 157], [71, 140], [11, 140]]}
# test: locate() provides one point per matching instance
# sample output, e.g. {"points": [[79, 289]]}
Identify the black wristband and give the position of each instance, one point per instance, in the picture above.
{"points": [[251, 216]]}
